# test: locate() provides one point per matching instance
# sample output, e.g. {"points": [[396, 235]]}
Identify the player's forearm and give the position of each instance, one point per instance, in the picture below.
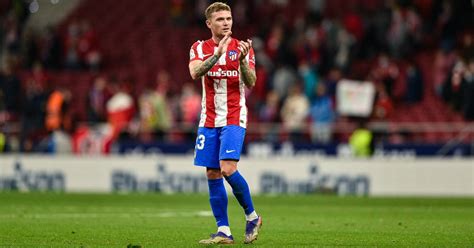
{"points": [[248, 75], [201, 69]]}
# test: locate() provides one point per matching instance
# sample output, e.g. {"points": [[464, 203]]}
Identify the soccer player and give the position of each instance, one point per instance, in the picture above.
{"points": [[225, 66]]}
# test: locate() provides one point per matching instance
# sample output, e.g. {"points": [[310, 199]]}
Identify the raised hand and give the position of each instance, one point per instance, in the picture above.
{"points": [[244, 48], [222, 48], [248, 75]]}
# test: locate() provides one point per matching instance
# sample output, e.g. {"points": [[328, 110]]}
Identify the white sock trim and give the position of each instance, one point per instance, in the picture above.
{"points": [[224, 229], [251, 216]]}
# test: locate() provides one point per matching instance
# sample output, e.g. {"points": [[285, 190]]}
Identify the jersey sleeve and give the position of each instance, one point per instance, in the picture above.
{"points": [[251, 59], [195, 53]]}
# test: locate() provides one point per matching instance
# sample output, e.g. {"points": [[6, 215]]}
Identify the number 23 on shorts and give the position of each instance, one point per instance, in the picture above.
{"points": [[200, 142]]}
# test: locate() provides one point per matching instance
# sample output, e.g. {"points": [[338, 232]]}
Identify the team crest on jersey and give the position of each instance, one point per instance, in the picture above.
{"points": [[191, 54], [233, 55]]}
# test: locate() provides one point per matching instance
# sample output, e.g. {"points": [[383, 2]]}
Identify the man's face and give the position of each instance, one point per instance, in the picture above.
{"points": [[220, 23]]}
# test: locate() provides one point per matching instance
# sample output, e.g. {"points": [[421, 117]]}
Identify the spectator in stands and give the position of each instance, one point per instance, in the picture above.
{"points": [[467, 46], [269, 114], [404, 32], [353, 24], [467, 89], [31, 49], [88, 47], [189, 108], [445, 24], [338, 46], [322, 116], [72, 58], [261, 55], [383, 106], [334, 75], [50, 48], [443, 63], [12, 35], [385, 72], [96, 100], [294, 113], [414, 82], [309, 42], [3, 142], [283, 79], [260, 90], [269, 111], [345, 42], [379, 21], [263, 70], [33, 115], [155, 113], [310, 80], [362, 141], [120, 107], [278, 45], [275, 40], [40, 76], [57, 110], [10, 93], [452, 90]]}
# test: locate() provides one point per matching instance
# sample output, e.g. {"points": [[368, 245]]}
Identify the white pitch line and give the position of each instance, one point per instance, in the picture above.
{"points": [[169, 214]]}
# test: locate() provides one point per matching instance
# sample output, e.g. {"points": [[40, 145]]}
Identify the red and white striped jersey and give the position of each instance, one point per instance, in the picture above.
{"points": [[223, 94]]}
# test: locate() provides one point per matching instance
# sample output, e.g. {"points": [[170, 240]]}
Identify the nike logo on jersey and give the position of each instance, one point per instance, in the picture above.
{"points": [[229, 151]]}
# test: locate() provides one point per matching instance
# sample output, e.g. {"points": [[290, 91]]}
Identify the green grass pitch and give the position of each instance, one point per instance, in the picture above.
{"points": [[156, 220]]}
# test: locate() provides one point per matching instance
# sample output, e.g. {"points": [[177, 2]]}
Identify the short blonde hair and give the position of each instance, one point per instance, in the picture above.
{"points": [[215, 7]]}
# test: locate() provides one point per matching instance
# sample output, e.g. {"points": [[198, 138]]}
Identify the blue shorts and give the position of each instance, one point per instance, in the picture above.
{"points": [[220, 143]]}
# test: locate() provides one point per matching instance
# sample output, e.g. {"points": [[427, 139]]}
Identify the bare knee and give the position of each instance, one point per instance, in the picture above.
{"points": [[213, 173], [228, 167]]}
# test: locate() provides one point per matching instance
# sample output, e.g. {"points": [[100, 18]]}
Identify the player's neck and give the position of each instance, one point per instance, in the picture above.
{"points": [[216, 39]]}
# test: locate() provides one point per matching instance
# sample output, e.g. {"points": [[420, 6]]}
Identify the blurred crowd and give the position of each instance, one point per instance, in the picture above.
{"points": [[302, 52]]}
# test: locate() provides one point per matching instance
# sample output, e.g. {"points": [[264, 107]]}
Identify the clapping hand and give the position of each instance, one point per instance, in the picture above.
{"points": [[244, 48], [222, 48]]}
